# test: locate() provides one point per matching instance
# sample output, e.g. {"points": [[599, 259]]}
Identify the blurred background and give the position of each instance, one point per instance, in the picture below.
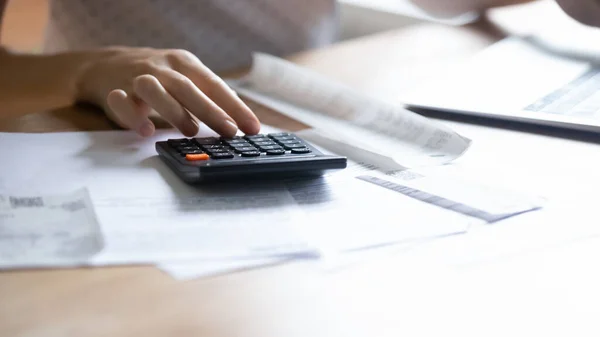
{"points": [[25, 20], [23, 24]]}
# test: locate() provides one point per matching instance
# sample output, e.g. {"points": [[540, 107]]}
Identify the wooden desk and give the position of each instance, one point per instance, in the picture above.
{"points": [[382, 298]]}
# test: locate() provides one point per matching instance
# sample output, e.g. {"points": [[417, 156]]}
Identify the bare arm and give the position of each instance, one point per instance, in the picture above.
{"points": [[128, 83], [31, 83]]}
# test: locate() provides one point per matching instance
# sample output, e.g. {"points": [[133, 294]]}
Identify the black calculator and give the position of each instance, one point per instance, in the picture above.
{"points": [[275, 155]]}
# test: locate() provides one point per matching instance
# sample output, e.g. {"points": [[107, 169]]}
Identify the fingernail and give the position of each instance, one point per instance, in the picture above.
{"points": [[230, 128], [147, 129]]}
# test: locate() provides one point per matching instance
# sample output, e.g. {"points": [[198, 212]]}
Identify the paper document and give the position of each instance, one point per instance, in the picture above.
{"points": [[147, 215], [345, 116], [352, 220], [231, 222], [146, 212], [518, 79], [346, 213], [48, 230], [471, 200]]}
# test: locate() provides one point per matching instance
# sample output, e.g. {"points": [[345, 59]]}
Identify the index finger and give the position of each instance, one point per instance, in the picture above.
{"points": [[219, 92]]}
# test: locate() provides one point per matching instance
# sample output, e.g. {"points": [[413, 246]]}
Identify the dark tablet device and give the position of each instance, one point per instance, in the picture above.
{"points": [[264, 156]]}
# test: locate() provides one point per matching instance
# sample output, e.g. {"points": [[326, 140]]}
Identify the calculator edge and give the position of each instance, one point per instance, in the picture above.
{"points": [[301, 167]]}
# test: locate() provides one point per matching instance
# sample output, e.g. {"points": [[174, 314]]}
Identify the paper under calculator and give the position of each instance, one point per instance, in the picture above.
{"points": [[275, 155]]}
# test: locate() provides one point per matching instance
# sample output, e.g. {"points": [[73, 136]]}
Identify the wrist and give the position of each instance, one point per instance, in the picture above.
{"points": [[86, 77], [34, 82]]}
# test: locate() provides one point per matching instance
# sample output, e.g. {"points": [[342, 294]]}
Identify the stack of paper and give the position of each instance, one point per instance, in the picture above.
{"points": [[104, 198], [146, 215]]}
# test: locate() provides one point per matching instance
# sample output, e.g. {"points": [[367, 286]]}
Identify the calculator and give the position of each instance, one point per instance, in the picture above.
{"points": [[263, 156]]}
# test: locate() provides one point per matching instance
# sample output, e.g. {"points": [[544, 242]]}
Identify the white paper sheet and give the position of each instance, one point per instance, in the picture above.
{"points": [[346, 214], [348, 220], [356, 223], [148, 215], [478, 201], [344, 115], [146, 212], [517, 79], [48, 230]]}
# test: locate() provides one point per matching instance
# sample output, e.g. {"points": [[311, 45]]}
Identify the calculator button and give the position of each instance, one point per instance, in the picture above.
{"points": [[293, 146], [208, 141], [198, 151], [185, 149], [244, 144], [236, 141], [222, 155], [259, 140], [300, 150], [288, 141], [275, 152], [256, 137], [280, 134], [251, 154], [245, 149], [263, 143], [196, 157], [285, 138], [177, 142], [221, 150], [271, 147], [213, 147], [232, 139]]}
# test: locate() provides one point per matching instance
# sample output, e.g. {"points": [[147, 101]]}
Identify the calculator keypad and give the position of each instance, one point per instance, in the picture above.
{"points": [[275, 144]]}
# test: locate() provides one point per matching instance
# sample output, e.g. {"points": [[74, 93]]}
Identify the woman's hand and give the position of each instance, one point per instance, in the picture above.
{"points": [[130, 83]]}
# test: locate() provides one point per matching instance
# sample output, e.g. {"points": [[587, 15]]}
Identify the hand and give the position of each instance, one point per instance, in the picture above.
{"points": [[132, 83]]}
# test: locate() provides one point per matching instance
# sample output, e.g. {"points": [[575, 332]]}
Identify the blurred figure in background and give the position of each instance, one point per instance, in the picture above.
{"points": [[137, 57]]}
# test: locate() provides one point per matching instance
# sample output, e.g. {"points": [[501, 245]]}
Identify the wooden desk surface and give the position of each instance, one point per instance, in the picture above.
{"points": [[375, 299]]}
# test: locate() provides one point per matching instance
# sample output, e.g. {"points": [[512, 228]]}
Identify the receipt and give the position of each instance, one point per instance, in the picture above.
{"points": [[338, 114], [488, 203], [48, 230]]}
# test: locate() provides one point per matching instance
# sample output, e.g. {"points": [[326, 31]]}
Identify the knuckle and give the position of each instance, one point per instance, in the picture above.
{"points": [[178, 56], [181, 83], [144, 83], [212, 83], [145, 66]]}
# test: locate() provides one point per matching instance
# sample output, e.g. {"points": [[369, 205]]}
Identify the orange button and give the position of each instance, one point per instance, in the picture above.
{"points": [[194, 157]]}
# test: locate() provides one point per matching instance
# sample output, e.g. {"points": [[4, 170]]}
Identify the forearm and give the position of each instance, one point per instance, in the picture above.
{"points": [[30, 83]]}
